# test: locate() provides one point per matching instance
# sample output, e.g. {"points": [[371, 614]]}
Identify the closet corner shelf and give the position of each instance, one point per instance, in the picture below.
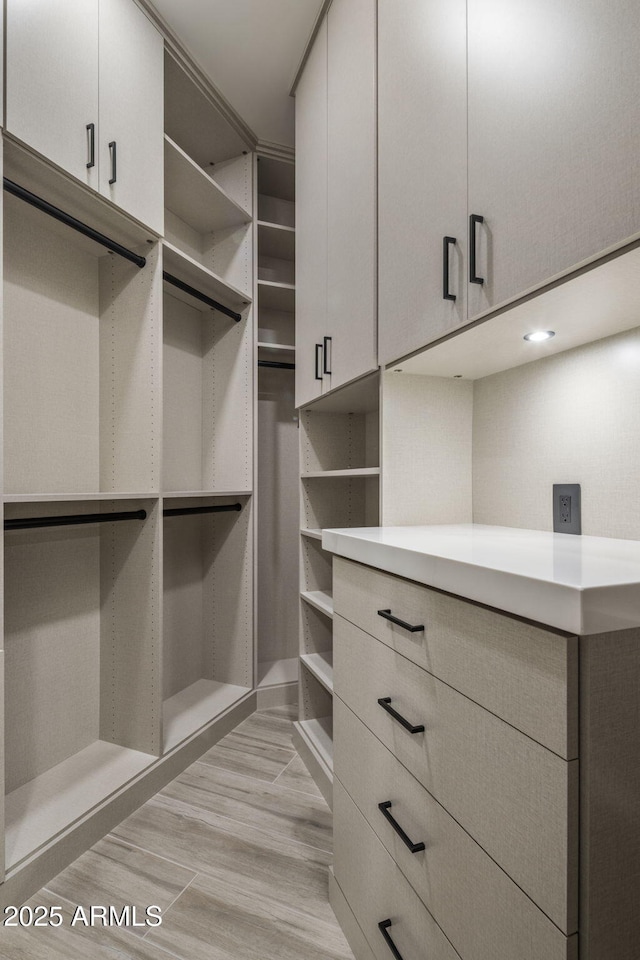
{"points": [[195, 707], [189, 271], [288, 347], [272, 673], [76, 497], [311, 533], [276, 240], [318, 736], [276, 296], [357, 472], [320, 599], [321, 666], [194, 196]]}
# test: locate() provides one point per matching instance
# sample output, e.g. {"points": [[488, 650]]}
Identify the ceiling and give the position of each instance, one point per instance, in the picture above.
{"points": [[250, 50]]}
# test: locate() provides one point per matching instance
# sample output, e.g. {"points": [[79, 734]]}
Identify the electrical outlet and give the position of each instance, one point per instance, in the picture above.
{"points": [[566, 508]]}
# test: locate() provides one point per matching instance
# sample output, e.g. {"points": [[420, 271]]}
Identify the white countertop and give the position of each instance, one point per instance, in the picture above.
{"points": [[580, 584]]}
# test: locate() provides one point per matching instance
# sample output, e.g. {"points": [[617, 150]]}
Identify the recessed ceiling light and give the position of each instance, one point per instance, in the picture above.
{"points": [[537, 336]]}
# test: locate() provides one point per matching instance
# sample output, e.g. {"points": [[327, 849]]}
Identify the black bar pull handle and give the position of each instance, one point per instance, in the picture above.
{"points": [[474, 220], [446, 243], [384, 810], [326, 366], [411, 727], [383, 927], [114, 161], [91, 131], [319, 352], [411, 627]]}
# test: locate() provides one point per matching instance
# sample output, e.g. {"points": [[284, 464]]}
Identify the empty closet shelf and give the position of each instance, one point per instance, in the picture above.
{"points": [[276, 296], [196, 706], [284, 347], [40, 809], [356, 472], [185, 269], [320, 599], [313, 534], [276, 240], [318, 736], [195, 197], [321, 666]]}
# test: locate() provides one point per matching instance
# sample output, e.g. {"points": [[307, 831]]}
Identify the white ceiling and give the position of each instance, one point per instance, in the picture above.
{"points": [[250, 50]]}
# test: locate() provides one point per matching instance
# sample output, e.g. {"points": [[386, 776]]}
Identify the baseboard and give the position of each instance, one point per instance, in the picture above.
{"points": [[322, 776], [277, 696]]}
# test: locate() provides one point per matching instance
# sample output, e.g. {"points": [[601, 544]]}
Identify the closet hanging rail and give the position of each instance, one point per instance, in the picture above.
{"points": [[214, 508], [29, 523], [83, 228], [280, 364], [201, 296]]}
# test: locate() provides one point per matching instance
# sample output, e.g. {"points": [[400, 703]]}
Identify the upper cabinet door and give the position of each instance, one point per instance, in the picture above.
{"points": [[422, 172], [554, 143], [131, 112], [52, 80], [311, 219], [351, 119]]}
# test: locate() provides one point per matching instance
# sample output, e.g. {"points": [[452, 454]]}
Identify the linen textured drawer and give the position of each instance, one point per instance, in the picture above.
{"points": [[480, 909], [515, 797], [524, 673], [376, 890]]}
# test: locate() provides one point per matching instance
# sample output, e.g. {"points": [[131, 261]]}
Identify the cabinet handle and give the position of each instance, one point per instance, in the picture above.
{"points": [[412, 628], [318, 361], [383, 927], [113, 155], [474, 219], [384, 810], [327, 355], [446, 243], [412, 728], [91, 130]]}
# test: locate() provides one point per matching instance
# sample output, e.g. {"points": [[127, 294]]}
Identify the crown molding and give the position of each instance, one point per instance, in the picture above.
{"points": [[307, 50], [275, 151]]}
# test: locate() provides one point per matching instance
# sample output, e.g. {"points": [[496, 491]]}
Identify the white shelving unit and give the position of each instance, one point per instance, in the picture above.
{"points": [[339, 487], [277, 441]]}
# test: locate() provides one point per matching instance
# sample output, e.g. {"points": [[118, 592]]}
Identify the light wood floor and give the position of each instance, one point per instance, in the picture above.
{"points": [[235, 852]]}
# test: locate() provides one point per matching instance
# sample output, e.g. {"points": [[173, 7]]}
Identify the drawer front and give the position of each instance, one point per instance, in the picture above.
{"points": [[517, 799], [355, 937], [523, 673], [481, 910], [376, 891]]}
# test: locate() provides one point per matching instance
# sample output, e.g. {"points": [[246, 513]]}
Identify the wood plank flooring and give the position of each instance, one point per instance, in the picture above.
{"points": [[234, 851]]}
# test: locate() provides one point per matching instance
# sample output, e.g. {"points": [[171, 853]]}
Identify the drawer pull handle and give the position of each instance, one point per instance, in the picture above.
{"points": [[383, 927], [384, 810], [412, 628], [412, 728]]}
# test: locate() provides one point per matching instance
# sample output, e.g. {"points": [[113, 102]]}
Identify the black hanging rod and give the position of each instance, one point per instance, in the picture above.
{"points": [[280, 364], [202, 296], [28, 523], [212, 508], [58, 214]]}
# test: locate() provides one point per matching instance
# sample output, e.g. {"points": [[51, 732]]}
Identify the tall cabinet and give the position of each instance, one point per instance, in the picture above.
{"points": [[507, 146], [336, 187]]}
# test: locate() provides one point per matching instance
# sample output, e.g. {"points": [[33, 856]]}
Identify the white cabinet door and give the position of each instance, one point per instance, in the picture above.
{"points": [[351, 120], [131, 111], [554, 137], [422, 171], [311, 218], [52, 80]]}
